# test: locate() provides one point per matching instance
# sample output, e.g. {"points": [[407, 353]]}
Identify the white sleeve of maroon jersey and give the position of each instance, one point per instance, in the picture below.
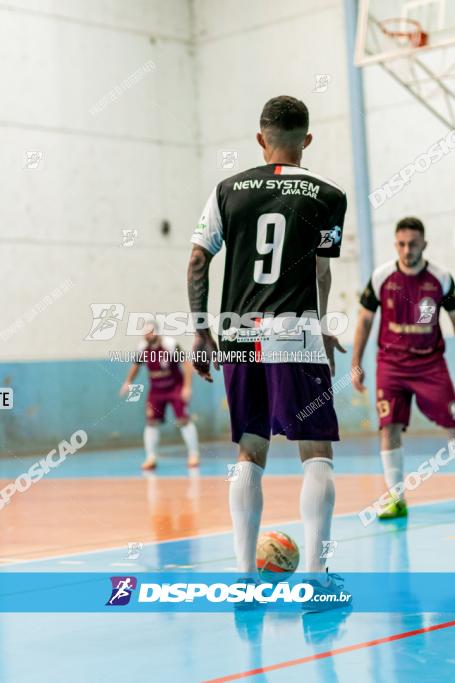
{"points": [[380, 275], [169, 344], [142, 345], [209, 231], [443, 276]]}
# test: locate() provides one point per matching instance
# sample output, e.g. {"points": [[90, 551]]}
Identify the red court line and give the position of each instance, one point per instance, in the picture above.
{"points": [[329, 653]]}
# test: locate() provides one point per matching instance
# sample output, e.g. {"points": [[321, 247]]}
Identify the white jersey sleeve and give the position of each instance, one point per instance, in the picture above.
{"points": [[169, 344], [141, 347], [209, 231]]}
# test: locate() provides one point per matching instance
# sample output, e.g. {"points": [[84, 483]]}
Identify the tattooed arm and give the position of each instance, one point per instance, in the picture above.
{"points": [[198, 292]]}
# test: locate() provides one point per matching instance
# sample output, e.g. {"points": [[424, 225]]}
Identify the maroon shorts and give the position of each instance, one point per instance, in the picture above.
{"points": [[429, 382], [293, 399], [158, 400]]}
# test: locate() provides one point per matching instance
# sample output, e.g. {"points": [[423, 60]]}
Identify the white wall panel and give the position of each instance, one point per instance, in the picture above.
{"points": [[169, 18], [132, 165], [216, 18], [59, 72]]}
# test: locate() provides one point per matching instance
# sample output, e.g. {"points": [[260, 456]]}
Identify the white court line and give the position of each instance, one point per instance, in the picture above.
{"points": [[210, 534], [71, 562], [201, 477]]}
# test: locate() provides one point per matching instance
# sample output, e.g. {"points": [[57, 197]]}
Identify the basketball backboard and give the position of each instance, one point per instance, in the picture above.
{"points": [[388, 29], [414, 41]]}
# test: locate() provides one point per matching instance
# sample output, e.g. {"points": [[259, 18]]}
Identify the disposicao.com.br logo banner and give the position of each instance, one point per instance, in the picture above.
{"points": [[218, 592]]}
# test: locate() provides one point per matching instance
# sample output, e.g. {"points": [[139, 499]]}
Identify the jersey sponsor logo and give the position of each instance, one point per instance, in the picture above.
{"points": [[280, 339], [246, 335], [421, 352], [295, 186], [200, 227], [429, 287], [292, 335], [330, 238], [257, 334], [159, 374], [392, 286], [410, 329], [248, 185], [426, 310], [230, 334], [302, 187]]}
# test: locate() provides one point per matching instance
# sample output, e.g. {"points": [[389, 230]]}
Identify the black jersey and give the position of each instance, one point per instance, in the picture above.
{"points": [[274, 221]]}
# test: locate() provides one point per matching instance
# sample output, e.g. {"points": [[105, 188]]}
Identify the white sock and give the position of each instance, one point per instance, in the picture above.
{"points": [[392, 462], [151, 440], [189, 435], [245, 503], [316, 506]]}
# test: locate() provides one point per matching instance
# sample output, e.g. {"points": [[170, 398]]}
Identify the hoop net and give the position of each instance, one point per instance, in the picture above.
{"points": [[405, 31]]}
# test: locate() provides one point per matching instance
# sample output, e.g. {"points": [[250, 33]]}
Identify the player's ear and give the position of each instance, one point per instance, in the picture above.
{"points": [[424, 245], [260, 139], [308, 140]]}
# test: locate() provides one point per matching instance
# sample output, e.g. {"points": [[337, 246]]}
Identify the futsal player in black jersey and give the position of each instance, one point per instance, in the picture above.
{"points": [[280, 223]]}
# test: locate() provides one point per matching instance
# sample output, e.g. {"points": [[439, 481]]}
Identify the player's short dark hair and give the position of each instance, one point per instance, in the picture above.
{"points": [[410, 223], [286, 118]]}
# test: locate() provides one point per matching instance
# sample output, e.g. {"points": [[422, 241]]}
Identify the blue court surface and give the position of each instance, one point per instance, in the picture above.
{"points": [[256, 646]]}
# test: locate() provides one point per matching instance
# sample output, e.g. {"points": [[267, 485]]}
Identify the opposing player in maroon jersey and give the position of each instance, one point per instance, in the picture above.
{"points": [[410, 359], [169, 384]]}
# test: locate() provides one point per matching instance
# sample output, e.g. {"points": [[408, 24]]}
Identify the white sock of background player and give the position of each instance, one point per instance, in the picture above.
{"points": [[317, 500], [190, 437], [393, 463], [151, 441], [245, 503]]}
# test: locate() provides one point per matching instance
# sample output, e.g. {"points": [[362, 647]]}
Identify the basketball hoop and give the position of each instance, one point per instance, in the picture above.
{"points": [[417, 49], [408, 29]]}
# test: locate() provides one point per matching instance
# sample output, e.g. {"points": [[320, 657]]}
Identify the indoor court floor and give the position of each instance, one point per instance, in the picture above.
{"points": [[83, 515]]}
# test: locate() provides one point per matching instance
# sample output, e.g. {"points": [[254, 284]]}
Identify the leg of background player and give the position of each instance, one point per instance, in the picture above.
{"points": [[245, 499], [151, 441], [316, 499], [451, 435], [392, 454], [189, 435]]}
